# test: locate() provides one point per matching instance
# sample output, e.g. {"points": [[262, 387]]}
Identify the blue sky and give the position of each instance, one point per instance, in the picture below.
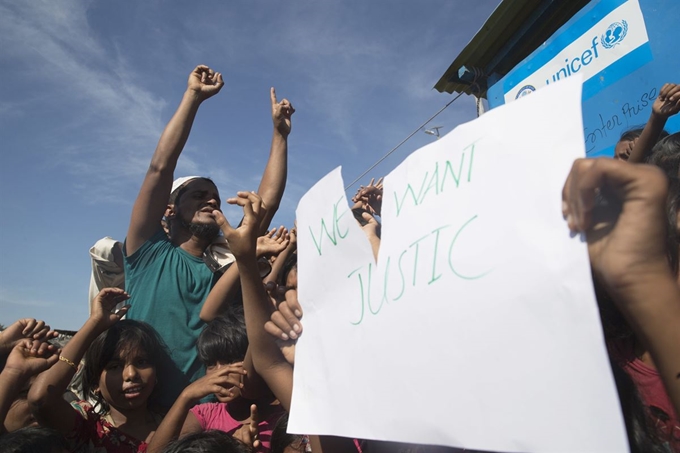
{"points": [[87, 88]]}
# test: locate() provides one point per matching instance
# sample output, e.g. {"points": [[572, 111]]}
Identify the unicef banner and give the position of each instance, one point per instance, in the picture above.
{"points": [[625, 52]]}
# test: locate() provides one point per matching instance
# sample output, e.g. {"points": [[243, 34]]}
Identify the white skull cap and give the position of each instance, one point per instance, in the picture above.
{"points": [[179, 182]]}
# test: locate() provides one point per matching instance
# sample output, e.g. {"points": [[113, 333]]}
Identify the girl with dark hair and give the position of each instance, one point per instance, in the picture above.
{"points": [[124, 361], [624, 147]]}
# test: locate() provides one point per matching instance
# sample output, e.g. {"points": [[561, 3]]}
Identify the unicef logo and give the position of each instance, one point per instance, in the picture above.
{"points": [[526, 89], [614, 34]]}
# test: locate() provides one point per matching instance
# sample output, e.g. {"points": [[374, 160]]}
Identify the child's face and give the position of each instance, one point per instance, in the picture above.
{"points": [[234, 390], [623, 148], [128, 380]]}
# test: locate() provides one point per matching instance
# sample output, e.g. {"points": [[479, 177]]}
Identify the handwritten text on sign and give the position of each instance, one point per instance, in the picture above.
{"points": [[476, 273]]}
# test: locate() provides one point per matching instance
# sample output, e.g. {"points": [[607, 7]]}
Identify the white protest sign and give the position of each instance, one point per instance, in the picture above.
{"points": [[478, 327]]}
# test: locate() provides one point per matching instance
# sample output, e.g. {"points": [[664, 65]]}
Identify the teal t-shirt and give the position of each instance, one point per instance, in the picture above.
{"points": [[167, 287]]}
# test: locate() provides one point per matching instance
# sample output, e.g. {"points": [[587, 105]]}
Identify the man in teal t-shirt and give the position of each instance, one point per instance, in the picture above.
{"points": [[165, 274]]}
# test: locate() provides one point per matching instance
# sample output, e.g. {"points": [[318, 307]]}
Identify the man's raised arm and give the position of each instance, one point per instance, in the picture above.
{"points": [[273, 181], [152, 200]]}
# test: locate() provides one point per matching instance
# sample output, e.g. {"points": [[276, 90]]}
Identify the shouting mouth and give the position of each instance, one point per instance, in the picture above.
{"points": [[132, 392]]}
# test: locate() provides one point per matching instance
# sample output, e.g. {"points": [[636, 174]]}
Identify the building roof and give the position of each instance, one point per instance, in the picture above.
{"points": [[514, 30]]}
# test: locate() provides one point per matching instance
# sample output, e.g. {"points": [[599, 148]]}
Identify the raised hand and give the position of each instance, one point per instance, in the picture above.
{"points": [[205, 82], [30, 357], [626, 234], [281, 114], [293, 235], [668, 102], [272, 243], [103, 305], [219, 381], [249, 433], [25, 328], [370, 197], [370, 225], [243, 240]]}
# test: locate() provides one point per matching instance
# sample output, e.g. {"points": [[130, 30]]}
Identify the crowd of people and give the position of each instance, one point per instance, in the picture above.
{"points": [[190, 342]]}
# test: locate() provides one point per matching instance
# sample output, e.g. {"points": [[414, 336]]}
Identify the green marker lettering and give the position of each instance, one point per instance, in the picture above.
{"points": [[448, 168], [451, 250], [361, 289], [415, 197], [434, 179], [472, 155], [434, 260], [370, 267], [328, 234], [415, 260], [401, 274], [338, 217]]}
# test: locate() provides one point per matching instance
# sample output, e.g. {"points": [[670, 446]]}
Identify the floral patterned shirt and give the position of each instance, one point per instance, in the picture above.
{"points": [[94, 433]]}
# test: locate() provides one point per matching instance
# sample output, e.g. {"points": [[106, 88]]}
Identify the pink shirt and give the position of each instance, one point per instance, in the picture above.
{"points": [[652, 391], [216, 416]]}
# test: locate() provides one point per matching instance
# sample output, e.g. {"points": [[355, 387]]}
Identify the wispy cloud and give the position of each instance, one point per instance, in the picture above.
{"points": [[108, 122]]}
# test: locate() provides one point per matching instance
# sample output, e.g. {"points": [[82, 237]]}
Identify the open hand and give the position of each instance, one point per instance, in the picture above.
{"points": [[668, 102], [370, 197], [104, 304], [242, 240], [626, 234], [25, 328], [205, 82], [281, 114], [293, 235], [272, 243]]}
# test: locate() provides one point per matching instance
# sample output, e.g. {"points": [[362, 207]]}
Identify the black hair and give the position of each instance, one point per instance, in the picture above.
{"points": [[673, 235], [212, 441], [666, 156], [289, 265], [642, 435], [636, 131], [122, 338], [281, 439], [631, 133], [33, 439], [224, 339]]}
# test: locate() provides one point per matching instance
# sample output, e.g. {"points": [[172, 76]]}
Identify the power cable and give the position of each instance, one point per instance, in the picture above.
{"points": [[401, 143]]}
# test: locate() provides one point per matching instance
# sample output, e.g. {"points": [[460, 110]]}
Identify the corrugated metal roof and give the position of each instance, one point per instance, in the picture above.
{"points": [[514, 30]]}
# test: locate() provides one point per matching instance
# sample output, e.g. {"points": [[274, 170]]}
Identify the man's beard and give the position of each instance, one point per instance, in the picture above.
{"points": [[206, 231]]}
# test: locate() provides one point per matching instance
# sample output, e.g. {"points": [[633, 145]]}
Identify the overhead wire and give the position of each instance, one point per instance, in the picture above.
{"points": [[402, 142]]}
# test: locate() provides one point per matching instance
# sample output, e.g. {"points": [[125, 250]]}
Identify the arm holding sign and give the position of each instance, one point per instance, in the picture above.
{"points": [[666, 105], [626, 243]]}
